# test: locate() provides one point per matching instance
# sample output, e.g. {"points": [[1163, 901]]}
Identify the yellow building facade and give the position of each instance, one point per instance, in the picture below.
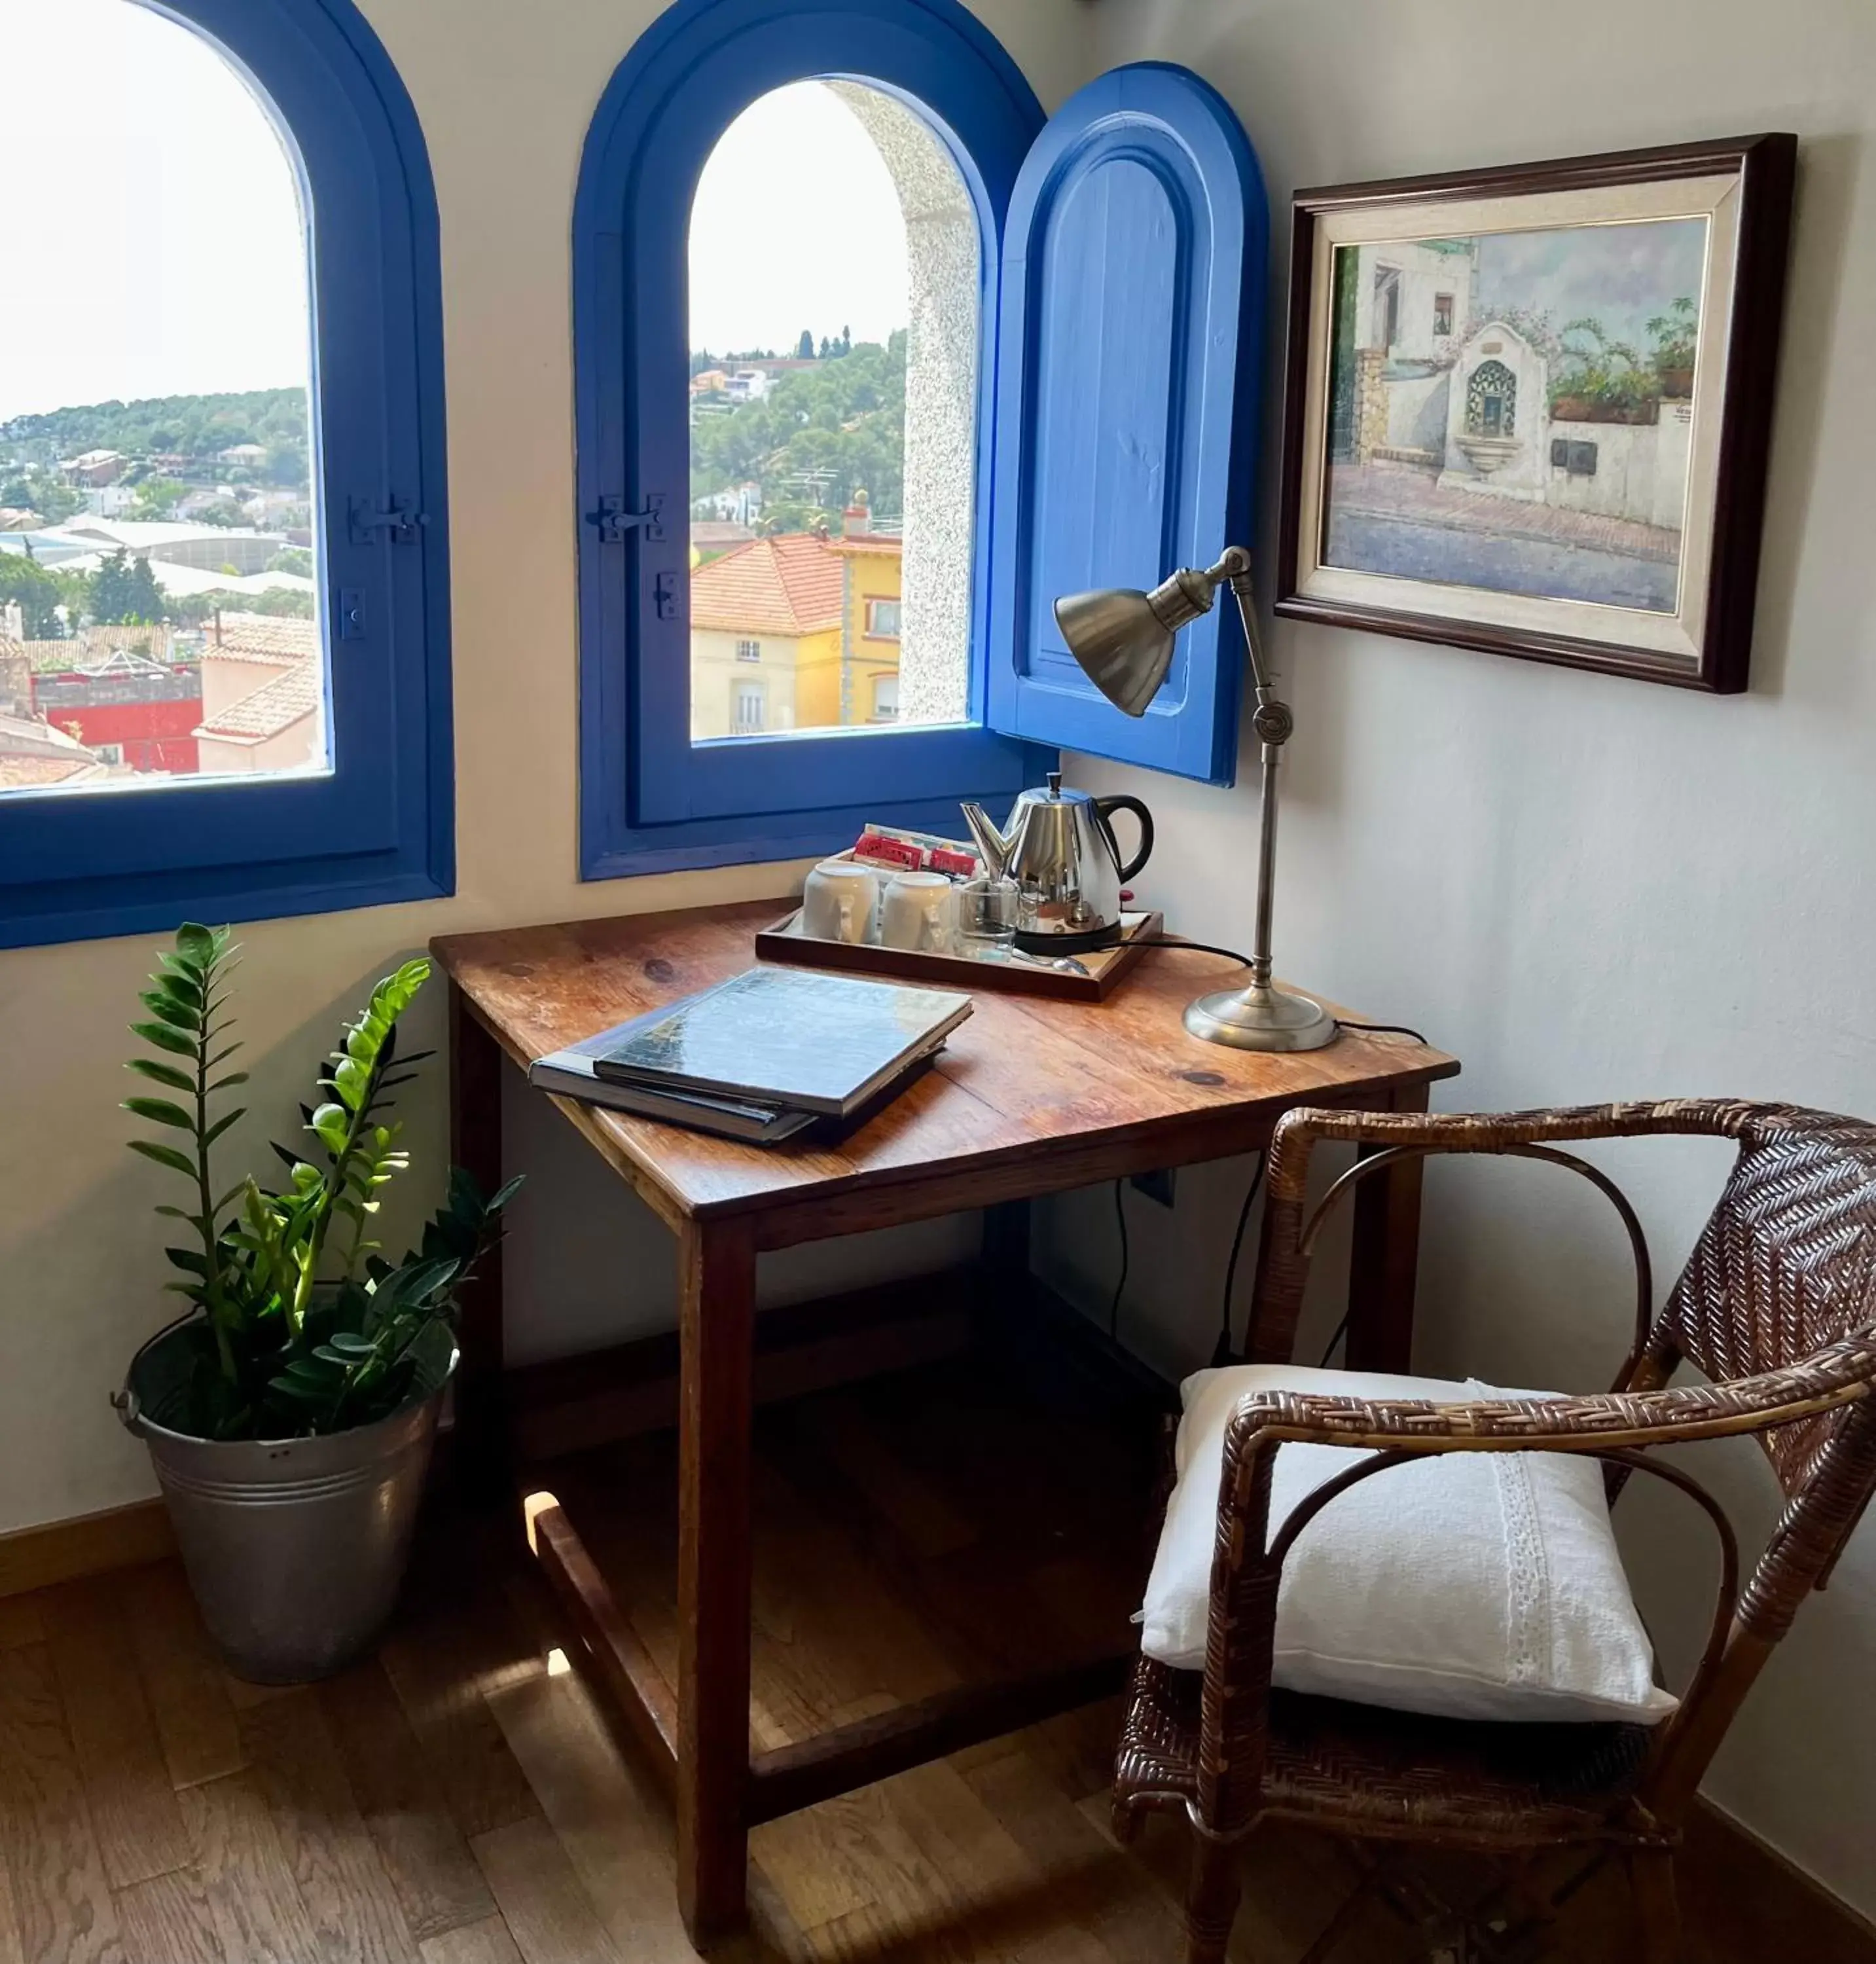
{"points": [[795, 632]]}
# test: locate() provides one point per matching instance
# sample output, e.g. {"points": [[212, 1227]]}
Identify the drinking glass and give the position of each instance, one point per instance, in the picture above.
{"points": [[986, 917]]}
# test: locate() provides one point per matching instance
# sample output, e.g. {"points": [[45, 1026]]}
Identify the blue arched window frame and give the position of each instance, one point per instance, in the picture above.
{"points": [[649, 799], [380, 826]]}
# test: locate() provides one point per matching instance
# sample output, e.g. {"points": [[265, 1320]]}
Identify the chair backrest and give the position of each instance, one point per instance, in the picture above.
{"points": [[1785, 1266]]}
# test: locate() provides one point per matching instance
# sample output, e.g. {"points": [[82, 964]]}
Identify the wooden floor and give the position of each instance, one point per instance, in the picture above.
{"points": [[458, 1799]]}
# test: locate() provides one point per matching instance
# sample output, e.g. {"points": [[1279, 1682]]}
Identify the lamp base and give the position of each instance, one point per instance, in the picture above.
{"points": [[1261, 1018]]}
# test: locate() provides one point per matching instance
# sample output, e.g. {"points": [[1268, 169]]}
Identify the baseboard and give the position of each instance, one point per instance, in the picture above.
{"points": [[87, 1544], [1771, 1906]]}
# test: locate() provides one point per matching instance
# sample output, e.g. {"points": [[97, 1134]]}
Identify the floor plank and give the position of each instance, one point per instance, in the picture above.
{"points": [[11, 1950], [336, 1864], [168, 1920], [186, 1687], [133, 1808], [439, 1659], [20, 1621], [256, 1905], [548, 1912], [605, 1809], [323, 1824], [485, 1942], [62, 1905], [438, 1885]]}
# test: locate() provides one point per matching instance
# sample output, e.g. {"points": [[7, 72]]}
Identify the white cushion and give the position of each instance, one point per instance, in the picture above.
{"points": [[1469, 1585]]}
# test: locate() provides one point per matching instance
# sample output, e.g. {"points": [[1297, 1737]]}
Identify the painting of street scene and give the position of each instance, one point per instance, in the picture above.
{"points": [[1514, 412]]}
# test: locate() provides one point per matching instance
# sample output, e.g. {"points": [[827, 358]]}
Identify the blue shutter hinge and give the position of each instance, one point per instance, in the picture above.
{"points": [[615, 523], [368, 522]]}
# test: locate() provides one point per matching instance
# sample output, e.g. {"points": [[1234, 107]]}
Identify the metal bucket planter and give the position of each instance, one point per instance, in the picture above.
{"points": [[295, 1548]]}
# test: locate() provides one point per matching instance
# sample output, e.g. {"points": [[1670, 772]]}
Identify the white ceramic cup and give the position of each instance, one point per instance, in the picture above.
{"points": [[918, 913], [841, 902]]}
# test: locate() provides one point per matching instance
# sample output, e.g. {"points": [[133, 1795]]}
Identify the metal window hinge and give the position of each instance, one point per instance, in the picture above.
{"points": [[368, 522], [615, 522]]}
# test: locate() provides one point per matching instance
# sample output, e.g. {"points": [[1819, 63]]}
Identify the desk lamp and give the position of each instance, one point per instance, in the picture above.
{"points": [[1123, 639]]}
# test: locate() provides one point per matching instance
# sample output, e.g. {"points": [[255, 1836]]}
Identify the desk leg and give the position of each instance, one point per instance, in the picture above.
{"points": [[1384, 1259], [481, 1440], [717, 1329]]}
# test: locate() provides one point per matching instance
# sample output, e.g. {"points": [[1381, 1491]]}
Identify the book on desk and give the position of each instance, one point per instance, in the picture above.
{"points": [[761, 1056]]}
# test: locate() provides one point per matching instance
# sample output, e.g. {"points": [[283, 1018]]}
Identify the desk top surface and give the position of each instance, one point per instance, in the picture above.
{"points": [[1095, 1090]]}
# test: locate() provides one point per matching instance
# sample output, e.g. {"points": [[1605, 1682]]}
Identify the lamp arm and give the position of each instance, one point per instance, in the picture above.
{"points": [[1273, 722]]}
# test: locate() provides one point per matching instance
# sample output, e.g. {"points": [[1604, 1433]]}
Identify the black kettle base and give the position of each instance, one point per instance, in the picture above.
{"points": [[1092, 942]]}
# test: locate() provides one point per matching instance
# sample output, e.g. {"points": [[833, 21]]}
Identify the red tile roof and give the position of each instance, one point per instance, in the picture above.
{"points": [[266, 711], [265, 637], [791, 584], [31, 773]]}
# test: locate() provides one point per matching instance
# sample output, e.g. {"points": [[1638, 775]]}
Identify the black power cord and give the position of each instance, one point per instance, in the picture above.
{"points": [[1223, 1352], [1383, 1030], [1119, 1281], [1244, 960]]}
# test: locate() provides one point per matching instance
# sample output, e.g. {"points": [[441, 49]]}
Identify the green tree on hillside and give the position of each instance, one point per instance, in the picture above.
{"points": [[198, 427], [819, 435], [40, 592], [124, 589], [40, 491], [804, 347], [158, 497]]}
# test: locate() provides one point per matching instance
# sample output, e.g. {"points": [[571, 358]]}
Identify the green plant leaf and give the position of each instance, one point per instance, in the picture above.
{"points": [[163, 1155], [292, 1387], [163, 1073], [164, 1038], [350, 1080], [161, 1112], [191, 1260], [171, 1009], [332, 1125], [222, 1123], [185, 985], [196, 943], [234, 1077]]}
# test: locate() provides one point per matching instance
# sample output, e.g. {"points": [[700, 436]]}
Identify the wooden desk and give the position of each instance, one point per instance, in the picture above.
{"points": [[1032, 1097]]}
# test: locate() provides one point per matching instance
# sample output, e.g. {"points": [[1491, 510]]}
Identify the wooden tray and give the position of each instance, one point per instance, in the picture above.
{"points": [[784, 942]]}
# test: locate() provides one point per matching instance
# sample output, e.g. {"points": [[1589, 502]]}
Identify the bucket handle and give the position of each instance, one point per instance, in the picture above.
{"points": [[123, 1401]]}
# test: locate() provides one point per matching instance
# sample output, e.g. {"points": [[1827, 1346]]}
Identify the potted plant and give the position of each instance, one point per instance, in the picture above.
{"points": [[290, 1413]]}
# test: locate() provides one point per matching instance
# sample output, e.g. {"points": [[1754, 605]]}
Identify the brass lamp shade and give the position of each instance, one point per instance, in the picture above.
{"points": [[1115, 635], [1123, 638]]}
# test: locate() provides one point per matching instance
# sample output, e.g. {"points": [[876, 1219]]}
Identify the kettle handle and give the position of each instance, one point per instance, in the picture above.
{"points": [[1120, 801]]}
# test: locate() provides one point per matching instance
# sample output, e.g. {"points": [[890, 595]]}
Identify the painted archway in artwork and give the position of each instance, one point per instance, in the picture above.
{"points": [[1491, 401]]}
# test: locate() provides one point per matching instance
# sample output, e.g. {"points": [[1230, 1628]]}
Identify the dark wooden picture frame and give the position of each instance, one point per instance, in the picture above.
{"points": [[1395, 465]]}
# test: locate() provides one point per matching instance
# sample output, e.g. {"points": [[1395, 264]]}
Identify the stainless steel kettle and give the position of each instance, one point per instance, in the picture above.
{"points": [[1059, 847]]}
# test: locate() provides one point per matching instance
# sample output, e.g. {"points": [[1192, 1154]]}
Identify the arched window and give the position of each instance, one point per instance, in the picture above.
{"points": [[1491, 401], [863, 376], [223, 591]]}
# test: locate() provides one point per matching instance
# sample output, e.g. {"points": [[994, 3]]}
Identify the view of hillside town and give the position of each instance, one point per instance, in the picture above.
{"points": [[797, 472], [157, 597], [798, 449], [159, 556]]}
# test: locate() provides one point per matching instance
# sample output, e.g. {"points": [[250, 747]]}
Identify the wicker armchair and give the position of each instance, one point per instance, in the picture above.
{"points": [[1776, 1309]]}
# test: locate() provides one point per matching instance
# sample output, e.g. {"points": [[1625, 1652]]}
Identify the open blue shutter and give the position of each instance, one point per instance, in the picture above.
{"points": [[1127, 387]]}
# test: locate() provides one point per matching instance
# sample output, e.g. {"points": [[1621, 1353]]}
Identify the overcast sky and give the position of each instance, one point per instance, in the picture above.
{"points": [[796, 224], [1622, 275], [151, 243], [150, 235]]}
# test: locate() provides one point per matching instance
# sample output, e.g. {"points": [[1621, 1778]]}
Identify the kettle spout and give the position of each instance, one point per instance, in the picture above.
{"points": [[997, 851]]}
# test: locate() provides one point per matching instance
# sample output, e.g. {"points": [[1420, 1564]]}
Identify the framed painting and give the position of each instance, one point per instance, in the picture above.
{"points": [[1527, 409]]}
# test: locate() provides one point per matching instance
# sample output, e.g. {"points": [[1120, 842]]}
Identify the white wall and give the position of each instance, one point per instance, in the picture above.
{"points": [[1586, 887], [505, 93]]}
